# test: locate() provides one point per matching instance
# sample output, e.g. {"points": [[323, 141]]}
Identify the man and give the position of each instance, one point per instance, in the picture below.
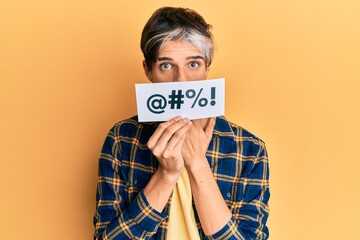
{"points": [[145, 168]]}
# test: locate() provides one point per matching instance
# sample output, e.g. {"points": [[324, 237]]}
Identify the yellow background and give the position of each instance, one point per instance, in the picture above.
{"points": [[67, 74]]}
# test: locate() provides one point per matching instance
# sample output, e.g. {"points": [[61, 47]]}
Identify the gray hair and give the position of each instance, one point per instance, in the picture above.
{"points": [[172, 24], [204, 44]]}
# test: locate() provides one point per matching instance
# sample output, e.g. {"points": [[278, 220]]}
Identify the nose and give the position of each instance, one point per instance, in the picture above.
{"points": [[181, 75]]}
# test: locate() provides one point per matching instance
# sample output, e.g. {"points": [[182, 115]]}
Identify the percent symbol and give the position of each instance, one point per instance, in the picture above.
{"points": [[191, 94]]}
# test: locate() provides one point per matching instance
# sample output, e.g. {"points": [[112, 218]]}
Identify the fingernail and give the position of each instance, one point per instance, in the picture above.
{"points": [[187, 120], [177, 118]]}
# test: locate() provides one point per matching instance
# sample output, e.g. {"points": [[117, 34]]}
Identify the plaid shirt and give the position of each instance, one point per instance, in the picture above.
{"points": [[237, 159]]}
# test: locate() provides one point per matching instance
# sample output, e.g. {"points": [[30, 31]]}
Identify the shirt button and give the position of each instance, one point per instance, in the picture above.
{"points": [[228, 194], [135, 181]]}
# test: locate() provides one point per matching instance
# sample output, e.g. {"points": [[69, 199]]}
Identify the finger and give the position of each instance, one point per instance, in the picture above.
{"points": [[171, 132], [159, 131], [179, 136], [174, 147]]}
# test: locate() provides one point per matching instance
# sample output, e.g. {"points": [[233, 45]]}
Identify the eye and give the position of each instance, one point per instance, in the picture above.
{"points": [[165, 66], [194, 65]]}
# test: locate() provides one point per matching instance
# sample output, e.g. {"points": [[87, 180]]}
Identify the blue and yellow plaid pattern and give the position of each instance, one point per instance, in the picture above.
{"points": [[238, 161]]}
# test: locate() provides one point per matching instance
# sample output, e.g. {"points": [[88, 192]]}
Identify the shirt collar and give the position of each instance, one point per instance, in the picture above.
{"points": [[223, 129]]}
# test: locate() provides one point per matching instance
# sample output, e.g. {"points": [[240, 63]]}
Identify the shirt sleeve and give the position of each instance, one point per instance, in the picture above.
{"points": [[249, 221], [113, 218]]}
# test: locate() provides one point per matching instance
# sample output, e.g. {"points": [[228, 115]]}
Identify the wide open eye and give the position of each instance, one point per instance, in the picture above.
{"points": [[165, 66], [194, 64]]}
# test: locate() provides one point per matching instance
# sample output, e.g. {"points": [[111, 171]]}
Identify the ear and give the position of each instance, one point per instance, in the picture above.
{"points": [[147, 71]]}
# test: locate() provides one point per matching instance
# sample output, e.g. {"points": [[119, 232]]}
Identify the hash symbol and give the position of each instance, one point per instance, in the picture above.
{"points": [[176, 99]]}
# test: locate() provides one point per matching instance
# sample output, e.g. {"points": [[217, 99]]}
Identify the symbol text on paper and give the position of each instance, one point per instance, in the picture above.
{"points": [[157, 103], [176, 99]]}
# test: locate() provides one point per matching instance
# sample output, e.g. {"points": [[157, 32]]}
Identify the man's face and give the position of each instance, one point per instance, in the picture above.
{"points": [[178, 61]]}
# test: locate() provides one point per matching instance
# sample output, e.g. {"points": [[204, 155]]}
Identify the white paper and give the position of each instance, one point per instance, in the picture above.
{"points": [[192, 99]]}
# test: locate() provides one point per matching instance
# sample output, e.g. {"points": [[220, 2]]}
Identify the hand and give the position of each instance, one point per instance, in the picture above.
{"points": [[166, 144], [197, 142]]}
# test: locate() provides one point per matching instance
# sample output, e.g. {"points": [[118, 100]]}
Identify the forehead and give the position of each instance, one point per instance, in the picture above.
{"points": [[179, 48]]}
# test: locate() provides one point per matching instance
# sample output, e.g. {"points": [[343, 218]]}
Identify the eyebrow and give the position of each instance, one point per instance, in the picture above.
{"points": [[195, 57], [164, 59], [188, 58]]}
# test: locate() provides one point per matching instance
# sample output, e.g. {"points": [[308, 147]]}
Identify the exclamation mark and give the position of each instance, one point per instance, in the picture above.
{"points": [[213, 102]]}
